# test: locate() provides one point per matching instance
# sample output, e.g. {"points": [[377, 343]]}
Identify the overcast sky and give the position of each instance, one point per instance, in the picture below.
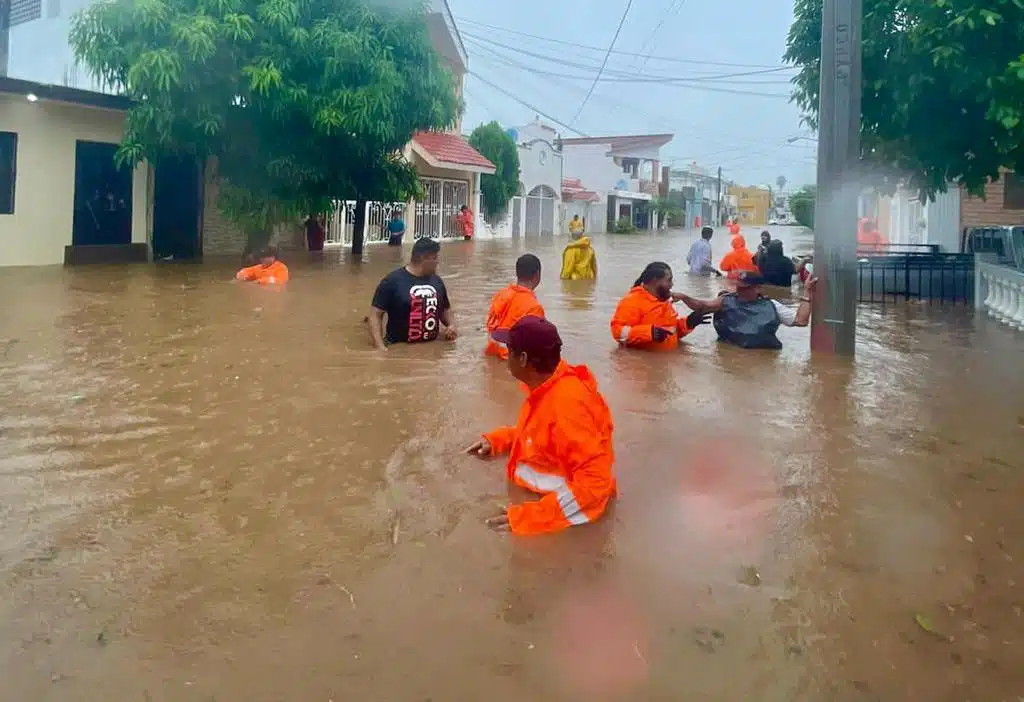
{"points": [[716, 121]]}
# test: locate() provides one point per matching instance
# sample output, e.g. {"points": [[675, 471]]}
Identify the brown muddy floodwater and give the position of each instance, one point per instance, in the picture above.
{"points": [[212, 491]]}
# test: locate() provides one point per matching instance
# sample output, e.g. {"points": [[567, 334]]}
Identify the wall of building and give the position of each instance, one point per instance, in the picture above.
{"points": [[990, 211], [40, 228], [39, 50], [592, 165], [539, 164]]}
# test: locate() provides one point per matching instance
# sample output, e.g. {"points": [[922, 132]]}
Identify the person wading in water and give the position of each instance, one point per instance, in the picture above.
{"points": [[561, 445], [411, 303], [748, 319]]}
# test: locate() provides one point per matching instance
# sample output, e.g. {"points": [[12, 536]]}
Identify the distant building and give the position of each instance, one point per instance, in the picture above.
{"points": [[752, 204], [624, 171]]}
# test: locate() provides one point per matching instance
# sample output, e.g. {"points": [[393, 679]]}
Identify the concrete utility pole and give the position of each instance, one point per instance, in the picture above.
{"points": [[718, 206], [833, 326]]}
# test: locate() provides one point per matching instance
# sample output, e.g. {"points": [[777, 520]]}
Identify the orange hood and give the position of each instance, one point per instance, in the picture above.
{"points": [[739, 243]]}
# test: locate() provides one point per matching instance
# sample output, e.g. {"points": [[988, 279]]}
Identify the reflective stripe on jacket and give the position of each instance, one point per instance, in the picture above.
{"points": [[508, 306], [638, 313], [561, 448]]}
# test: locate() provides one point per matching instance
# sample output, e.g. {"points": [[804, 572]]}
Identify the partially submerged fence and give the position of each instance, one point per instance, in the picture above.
{"points": [[935, 277], [338, 229]]}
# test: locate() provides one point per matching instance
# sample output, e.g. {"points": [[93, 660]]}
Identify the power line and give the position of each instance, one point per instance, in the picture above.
{"points": [[604, 63], [672, 10], [526, 104], [624, 76], [660, 120], [617, 52], [675, 82]]}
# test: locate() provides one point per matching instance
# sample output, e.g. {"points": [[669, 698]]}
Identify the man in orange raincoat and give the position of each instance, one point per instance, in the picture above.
{"points": [[739, 259], [513, 303], [645, 318], [269, 271], [561, 445]]}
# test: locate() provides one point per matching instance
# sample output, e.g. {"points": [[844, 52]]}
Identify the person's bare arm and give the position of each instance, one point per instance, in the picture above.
{"points": [[375, 323], [449, 331], [803, 312], [702, 306]]}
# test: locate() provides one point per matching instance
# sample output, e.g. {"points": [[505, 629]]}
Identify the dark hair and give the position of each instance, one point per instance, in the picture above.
{"points": [[775, 248], [527, 266], [766, 232], [654, 271], [424, 247], [707, 233], [266, 252], [464, 207]]}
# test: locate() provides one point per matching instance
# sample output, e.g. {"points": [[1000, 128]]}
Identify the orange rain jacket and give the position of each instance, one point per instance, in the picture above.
{"points": [[561, 448], [638, 312], [508, 306], [739, 259], [276, 272]]}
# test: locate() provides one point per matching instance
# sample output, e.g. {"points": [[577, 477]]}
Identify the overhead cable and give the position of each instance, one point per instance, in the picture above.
{"points": [[616, 52], [607, 55]]}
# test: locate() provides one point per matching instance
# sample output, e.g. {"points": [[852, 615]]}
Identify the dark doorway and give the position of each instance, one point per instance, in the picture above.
{"points": [[177, 199], [103, 197]]}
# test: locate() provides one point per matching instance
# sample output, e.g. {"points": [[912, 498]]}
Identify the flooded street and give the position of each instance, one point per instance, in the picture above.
{"points": [[213, 491]]}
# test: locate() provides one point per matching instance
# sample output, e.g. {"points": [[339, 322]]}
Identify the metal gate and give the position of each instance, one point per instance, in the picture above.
{"points": [[540, 211], [435, 214], [378, 214]]}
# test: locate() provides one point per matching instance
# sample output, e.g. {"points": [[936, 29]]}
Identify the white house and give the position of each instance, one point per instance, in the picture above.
{"points": [[624, 171], [536, 211]]}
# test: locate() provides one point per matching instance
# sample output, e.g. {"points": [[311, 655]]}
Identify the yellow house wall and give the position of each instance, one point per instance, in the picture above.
{"points": [[44, 195]]}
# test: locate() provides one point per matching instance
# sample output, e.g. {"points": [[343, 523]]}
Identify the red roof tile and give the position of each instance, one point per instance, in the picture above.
{"points": [[572, 189], [450, 148]]}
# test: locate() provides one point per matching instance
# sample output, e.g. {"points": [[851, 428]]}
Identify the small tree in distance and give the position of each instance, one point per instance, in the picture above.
{"points": [[801, 204], [497, 190], [301, 103]]}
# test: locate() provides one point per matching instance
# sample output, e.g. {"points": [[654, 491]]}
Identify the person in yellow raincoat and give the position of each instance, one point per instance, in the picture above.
{"points": [[579, 262]]}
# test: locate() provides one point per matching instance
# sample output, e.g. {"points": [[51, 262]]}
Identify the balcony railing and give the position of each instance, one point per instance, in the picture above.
{"points": [[1000, 293]]}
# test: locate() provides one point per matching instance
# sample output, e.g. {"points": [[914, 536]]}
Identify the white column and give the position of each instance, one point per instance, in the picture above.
{"points": [[477, 214]]}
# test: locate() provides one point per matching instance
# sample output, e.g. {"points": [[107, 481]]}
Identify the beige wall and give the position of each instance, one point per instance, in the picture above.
{"points": [[40, 228]]}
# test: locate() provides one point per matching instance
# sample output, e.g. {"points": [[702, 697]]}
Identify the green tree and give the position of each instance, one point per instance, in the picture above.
{"points": [[943, 86], [801, 204], [497, 190], [302, 103]]}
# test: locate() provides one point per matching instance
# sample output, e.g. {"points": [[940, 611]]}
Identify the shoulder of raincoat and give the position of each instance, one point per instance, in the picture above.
{"points": [[579, 261], [636, 316], [508, 306], [560, 448]]}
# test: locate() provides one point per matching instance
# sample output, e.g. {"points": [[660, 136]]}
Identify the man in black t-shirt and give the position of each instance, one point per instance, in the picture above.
{"points": [[414, 301]]}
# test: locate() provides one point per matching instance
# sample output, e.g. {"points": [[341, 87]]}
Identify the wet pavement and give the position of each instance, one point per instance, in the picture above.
{"points": [[211, 491]]}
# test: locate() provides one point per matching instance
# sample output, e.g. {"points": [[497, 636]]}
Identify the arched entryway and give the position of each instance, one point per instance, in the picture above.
{"points": [[540, 211]]}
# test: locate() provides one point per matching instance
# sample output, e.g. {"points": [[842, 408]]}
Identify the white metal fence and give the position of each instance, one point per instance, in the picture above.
{"points": [[435, 214], [378, 214]]}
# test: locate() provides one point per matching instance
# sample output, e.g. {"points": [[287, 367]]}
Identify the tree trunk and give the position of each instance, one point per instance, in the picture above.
{"points": [[359, 228]]}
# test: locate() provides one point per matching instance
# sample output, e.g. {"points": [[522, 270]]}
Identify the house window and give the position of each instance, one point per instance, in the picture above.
{"points": [[1013, 191], [8, 163]]}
